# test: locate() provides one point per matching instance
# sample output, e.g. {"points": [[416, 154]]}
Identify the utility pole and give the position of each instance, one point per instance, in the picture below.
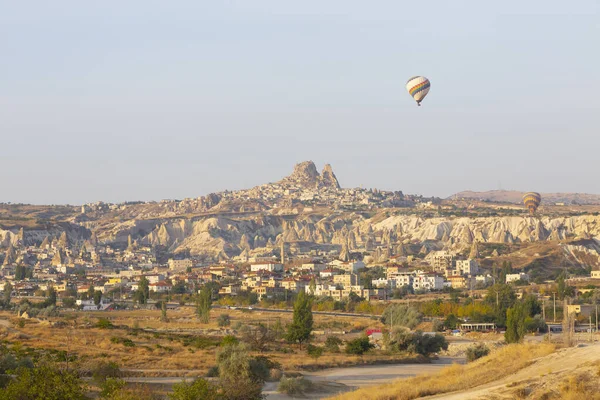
{"points": [[544, 309], [591, 337], [497, 299], [554, 294]]}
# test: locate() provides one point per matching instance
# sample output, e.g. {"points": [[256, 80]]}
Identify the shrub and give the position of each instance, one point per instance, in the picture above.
{"points": [[401, 315], [477, 351], [332, 344], [451, 321], [223, 320], [438, 325], [213, 372], [110, 386], [359, 346], [104, 370], [103, 323], [69, 302], [403, 340], [45, 381], [229, 339], [275, 375], [198, 389], [314, 351], [294, 386], [124, 341]]}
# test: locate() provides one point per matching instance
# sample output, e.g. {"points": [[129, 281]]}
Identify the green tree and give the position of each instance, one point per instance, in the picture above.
{"points": [[179, 288], [143, 292], [44, 382], [515, 323], [359, 346], [6, 295], [97, 297], [203, 303], [239, 381], [401, 315], [257, 336], [314, 351], [20, 272], [196, 390], [278, 329], [302, 322], [501, 297], [69, 302], [563, 290], [90, 292], [163, 312], [332, 344], [451, 321]]}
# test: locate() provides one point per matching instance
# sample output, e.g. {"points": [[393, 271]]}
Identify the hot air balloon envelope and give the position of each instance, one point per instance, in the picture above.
{"points": [[532, 201], [418, 87]]}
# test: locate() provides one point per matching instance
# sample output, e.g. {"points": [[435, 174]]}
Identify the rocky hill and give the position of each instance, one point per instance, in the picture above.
{"points": [[305, 175], [311, 213]]}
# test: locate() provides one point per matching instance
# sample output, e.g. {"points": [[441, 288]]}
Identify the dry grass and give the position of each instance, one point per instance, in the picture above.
{"points": [[156, 353], [500, 363]]}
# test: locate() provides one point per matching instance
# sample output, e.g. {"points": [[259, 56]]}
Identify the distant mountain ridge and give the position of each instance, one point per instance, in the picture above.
{"points": [[513, 196]]}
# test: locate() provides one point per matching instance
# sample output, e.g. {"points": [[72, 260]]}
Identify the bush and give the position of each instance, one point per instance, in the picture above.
{"points": [[275, 375], [229, 339], [198, 389], [294, 386], [477, 351], [124, 341], [451, 321], [332, 344], [213, 372], [401, 315], [103, 323], [403, 340], [224, 320], [314, 351], [104, 370], [45, 381], [359, 346], [69, 302], [110, 386]]}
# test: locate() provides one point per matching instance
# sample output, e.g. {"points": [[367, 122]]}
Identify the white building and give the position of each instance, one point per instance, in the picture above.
{"points": [[516, 277], [467, 267], [313, 267], [180, 264], [348, 266], [271, 267], [384, 283], [89, 305], [160, 287], [428, 282]]}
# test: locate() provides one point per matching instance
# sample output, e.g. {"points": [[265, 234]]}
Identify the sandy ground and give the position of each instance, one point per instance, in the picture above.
{"points": [[564, 360], [339, 380]]}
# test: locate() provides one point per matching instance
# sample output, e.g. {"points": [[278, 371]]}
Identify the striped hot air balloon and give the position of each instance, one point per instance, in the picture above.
{"points": [[532, 201], [418, 87]]}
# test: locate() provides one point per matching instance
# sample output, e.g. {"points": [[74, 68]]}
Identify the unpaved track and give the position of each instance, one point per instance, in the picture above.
{"points": [[560, 361], [352, 378]]}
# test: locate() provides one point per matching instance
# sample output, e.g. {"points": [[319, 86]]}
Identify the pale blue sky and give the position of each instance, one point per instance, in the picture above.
{"points": [[145, 100]]}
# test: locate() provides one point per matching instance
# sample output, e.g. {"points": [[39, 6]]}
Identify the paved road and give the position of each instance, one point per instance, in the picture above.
{"points": [[356, 377]]}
